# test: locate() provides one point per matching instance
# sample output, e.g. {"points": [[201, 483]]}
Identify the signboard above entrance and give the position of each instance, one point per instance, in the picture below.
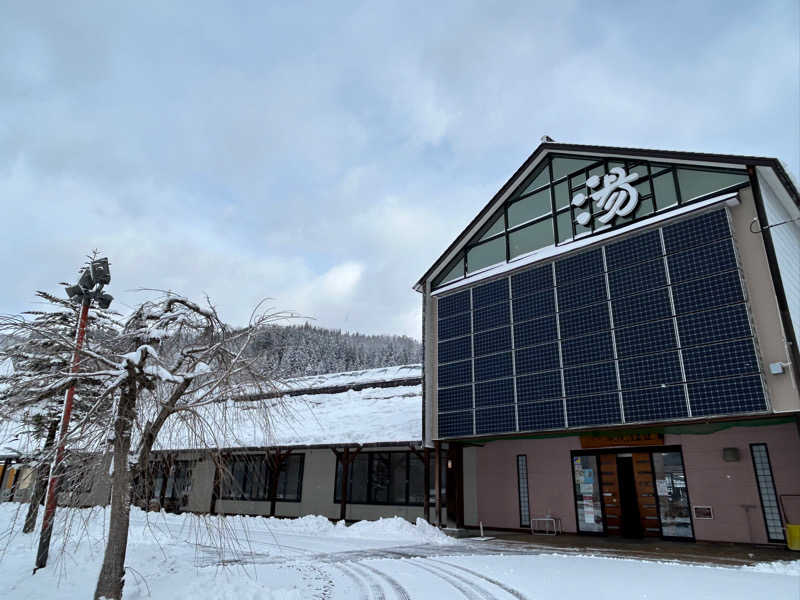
{"points": [[607, 440]]}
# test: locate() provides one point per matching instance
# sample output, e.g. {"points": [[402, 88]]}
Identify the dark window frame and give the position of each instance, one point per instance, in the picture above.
{"points": [[370, 470], [761, 495], [260, 460]]}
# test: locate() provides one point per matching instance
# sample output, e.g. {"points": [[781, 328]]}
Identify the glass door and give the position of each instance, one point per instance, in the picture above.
{"points": [[673, 495], [587, 494]]}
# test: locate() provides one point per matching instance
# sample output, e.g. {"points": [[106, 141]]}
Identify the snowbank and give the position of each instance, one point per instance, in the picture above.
{"points": [[395, 529]]}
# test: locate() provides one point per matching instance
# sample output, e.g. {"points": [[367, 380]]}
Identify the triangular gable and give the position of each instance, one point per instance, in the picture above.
{"points": [[569, 196]]}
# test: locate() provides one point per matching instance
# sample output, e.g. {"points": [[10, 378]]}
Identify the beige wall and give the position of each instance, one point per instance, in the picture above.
{"points": [[782, 390], [319, 473]]}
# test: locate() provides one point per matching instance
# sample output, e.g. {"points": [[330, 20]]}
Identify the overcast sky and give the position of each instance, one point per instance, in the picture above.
{"points": [[325, 156]]}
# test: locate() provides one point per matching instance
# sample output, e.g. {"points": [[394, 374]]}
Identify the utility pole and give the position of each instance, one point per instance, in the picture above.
{"points": [[89, 288]]}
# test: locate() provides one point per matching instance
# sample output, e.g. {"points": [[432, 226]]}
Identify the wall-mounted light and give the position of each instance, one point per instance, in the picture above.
{"points": [[776, 368], [730, 454]]}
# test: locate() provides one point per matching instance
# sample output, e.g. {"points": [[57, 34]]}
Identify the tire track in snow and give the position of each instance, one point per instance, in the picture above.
{"points": [[516, 593], [364, 592], [373, 582], [471, 591], [399, 590]]}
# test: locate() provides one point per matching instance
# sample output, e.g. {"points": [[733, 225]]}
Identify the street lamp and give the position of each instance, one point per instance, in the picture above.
{"points": [[88, 289]]}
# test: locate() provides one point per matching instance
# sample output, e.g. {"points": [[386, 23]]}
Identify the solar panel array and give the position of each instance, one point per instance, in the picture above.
{"points": [[650, 328]]}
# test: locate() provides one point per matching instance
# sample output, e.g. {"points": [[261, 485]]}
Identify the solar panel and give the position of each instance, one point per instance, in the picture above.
{"points": [[455, 373], [638, 278], [650, 370], [584, 320], [532, 280], [537, 358], [712, 318], [579, 266], [494, 340], [456, 349], [649, 306], [696, 231], [540, 386], [490, 293], [727, 323], [535, 332], [581, 293], [491, 317], [455, 424], [493, 393], [645, 246], [710, 292], [457, 398], [493, 366], [655, 404], [454, 326], [534, 306], [495, 420], [448, 306], [590, 379], [702, 261], [720, 360], [541, 415], [601, 409], [725, 396], [649, 337], [590, 348]]}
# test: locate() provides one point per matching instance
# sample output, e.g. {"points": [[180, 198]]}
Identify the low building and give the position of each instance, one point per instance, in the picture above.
{"points": [[611, 345], [371, 421]]}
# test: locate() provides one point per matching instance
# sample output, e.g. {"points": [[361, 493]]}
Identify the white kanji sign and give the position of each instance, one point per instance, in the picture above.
{"points": [[616, 197]]}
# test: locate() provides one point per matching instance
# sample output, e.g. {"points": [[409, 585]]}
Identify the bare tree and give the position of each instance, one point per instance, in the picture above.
{"points": [[170, 369], [184, 359]]}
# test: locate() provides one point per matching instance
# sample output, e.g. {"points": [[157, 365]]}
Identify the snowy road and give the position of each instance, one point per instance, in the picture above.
{"points": [[244, 558]]}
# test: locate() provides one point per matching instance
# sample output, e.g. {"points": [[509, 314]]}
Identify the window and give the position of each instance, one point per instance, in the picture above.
{"points": [[522, 484], [246, 477], [526, 220], [766, 489], [673, 495], [179, 481], [396, 478]]}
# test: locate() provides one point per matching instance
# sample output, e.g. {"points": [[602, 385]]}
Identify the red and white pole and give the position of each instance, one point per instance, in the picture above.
{"points": [[52, 484]]}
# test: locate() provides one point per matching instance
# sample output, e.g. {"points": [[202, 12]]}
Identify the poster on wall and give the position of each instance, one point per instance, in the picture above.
{"points": [[587, 489], [662, 487]]}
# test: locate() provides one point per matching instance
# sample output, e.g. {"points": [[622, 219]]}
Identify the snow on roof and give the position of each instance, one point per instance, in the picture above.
{"points": [[351, 378], [365, 416]]}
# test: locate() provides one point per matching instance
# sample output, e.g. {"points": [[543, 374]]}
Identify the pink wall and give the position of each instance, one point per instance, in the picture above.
{"points": [[549, 480], [730, 487], [726, 486]]}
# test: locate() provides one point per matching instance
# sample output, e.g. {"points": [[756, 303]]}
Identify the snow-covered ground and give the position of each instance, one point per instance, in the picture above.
{"points": [[178, 557]]}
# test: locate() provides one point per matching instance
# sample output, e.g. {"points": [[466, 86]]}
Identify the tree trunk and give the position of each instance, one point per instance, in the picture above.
{"points": [[112, 574], [40, 483], [149, 436]]}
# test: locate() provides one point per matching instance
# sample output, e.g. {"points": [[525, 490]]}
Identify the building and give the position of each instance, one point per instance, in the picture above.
{"points": [[612, 343], [370, 421]]}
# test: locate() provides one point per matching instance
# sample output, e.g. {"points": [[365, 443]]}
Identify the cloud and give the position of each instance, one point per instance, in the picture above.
{"points": [[326, 158]]}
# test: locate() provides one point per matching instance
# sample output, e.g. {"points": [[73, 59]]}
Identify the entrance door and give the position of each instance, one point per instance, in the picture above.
{"points": [[629, 502], [631, 525]]}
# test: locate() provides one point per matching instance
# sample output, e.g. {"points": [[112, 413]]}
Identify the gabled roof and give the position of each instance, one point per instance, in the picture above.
{"points": [[546, 148]]}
